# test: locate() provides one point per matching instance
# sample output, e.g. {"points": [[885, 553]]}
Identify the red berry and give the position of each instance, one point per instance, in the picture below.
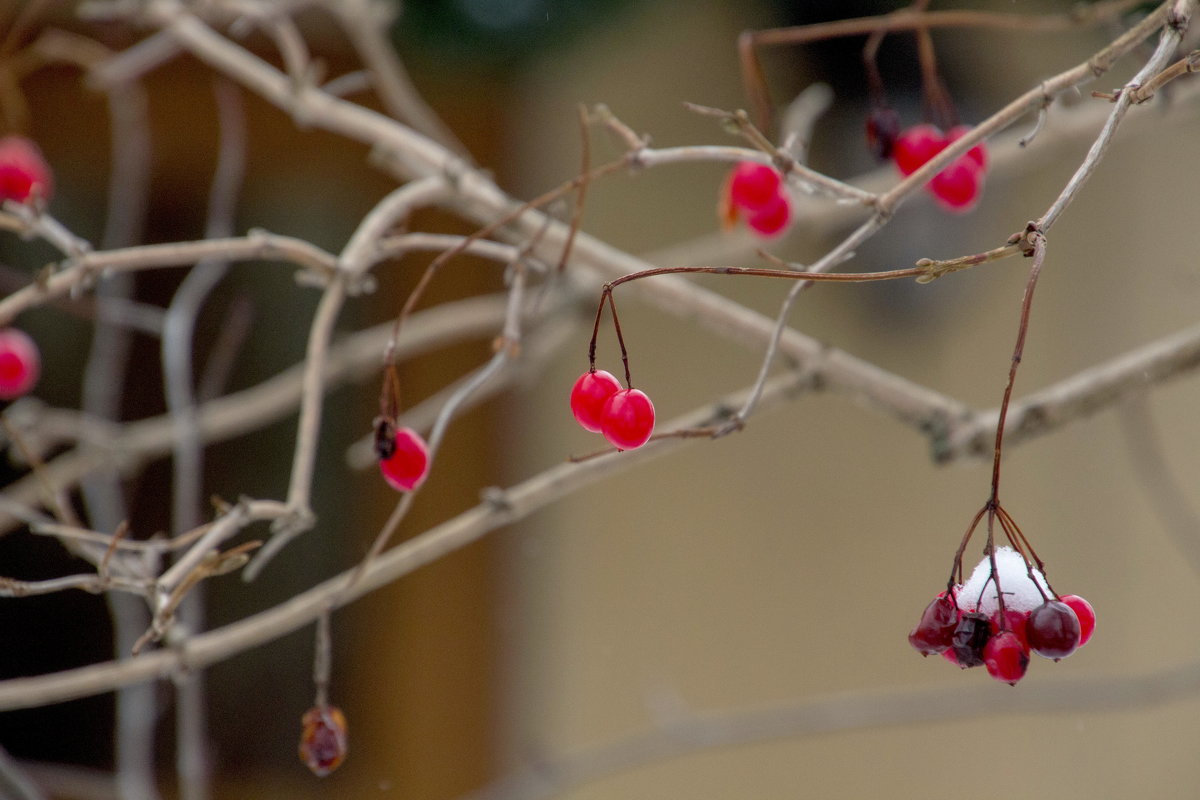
{"points": [[772, 218], [957, 187], [752, 186], [24, 173], [1053, 630], [916, 146], [1086, 614], [1015, 622], [20, 363], [323, 739], [627, 419], [1006, 657], [588, 396], [978, 153], [405, 470], [935, 632]]}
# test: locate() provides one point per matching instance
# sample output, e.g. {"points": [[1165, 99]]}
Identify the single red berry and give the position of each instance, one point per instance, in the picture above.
{"points": [[1086, 614], [405, 470], [1006, 657], [935, 632], [752, 186], [978, 153], [970, 637], [24, 173], [883, 128], [772, 218], [588, 396], [916, 146], [1053, 630], [628, 419], [20, 363], [1015, 622], [958, 186], [323, 739]]}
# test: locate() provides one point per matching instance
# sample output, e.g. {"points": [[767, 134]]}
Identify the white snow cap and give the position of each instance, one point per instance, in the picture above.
{"points": [[1020, 593]]}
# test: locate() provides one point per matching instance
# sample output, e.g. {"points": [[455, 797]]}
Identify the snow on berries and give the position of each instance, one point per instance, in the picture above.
{"points": [[24, 174], [965, 624], [957, 187], [756, 192], [20, 363]]}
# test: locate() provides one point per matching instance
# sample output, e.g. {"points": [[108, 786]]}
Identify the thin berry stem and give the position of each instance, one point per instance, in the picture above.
{"points": [[956, 570], [1036, 242]]}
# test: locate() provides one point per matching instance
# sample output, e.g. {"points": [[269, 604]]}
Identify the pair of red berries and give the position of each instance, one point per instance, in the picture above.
{"points": [[24, 174], [20, 363], [957, 187], [403, 456], [966, 627], [600, 405], [756, 192]]}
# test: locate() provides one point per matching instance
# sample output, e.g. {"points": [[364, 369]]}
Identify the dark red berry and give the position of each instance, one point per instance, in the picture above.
{"points": [[970, 637], [1086, 614], [588, 396], [1006, 657], [323, 739], [935, 632], [883, 128], [405, 470], [1053, 630], [20, 363], [627, 419]]}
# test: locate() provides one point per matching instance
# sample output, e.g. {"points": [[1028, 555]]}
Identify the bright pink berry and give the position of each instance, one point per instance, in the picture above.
{"points": [[1053, 630], [772, 218], [958, 186], [24, 173], [935, 632], [752, 186], [405, 470], [1086, 614], [627, 419], [915, 146], [20, 363], [1006, 657], [588, 396]]}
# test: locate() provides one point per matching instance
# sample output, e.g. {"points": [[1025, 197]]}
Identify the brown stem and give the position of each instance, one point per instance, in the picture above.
{"points": [[1037, 242]]}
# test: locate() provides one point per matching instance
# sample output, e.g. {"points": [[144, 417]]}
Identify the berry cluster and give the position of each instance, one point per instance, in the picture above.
{"points": [[973, 624], [957, 187], [323, 739], [600, 405], [20, 363], [756, 192], [403, 456], [24, 174]]}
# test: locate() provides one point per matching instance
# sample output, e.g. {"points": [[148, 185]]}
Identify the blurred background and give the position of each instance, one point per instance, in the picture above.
{"points": [[781, 565]]}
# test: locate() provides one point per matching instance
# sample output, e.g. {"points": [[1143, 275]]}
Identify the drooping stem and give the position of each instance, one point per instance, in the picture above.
{"points": [[1036, 243]]}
